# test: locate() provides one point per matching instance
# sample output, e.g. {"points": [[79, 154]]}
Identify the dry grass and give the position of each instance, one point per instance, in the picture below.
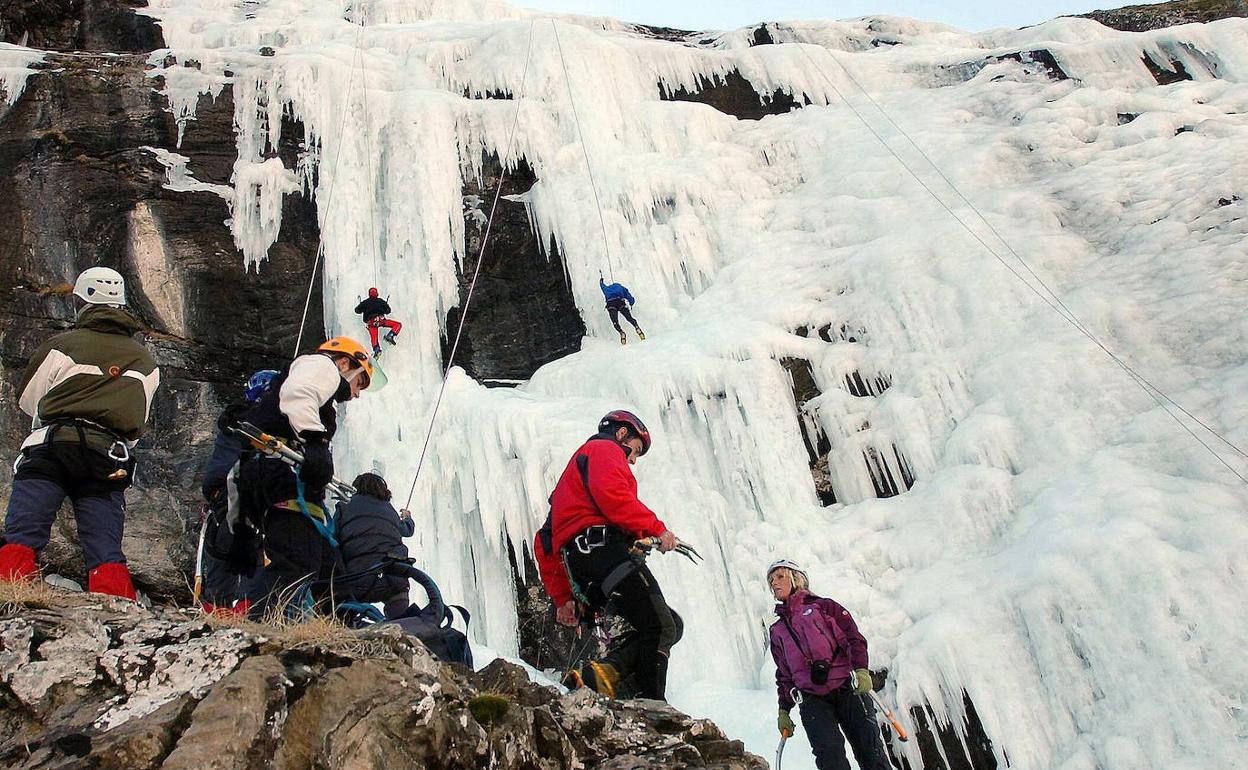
{"points": [[34, 595], [287, 630], [317, 632]]}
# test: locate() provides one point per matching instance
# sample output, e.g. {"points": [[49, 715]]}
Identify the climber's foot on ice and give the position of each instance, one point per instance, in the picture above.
{"points": [[640, 334], [623, 338]]}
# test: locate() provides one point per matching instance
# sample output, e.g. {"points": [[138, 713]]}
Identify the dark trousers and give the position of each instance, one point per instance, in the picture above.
{"points": [[643, 651], [45, 476], [298, 556], [221, 585], [832, 719], [617, 307]]}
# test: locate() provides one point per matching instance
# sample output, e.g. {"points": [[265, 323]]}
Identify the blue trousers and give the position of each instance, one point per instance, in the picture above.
{"points": [[101, 518], [831, 719], [49, 473]]}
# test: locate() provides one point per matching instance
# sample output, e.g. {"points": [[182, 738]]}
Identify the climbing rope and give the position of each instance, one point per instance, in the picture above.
{"points": [[476, 271], [372, 169], [1048, 296], [593, 184], [333, 182]]}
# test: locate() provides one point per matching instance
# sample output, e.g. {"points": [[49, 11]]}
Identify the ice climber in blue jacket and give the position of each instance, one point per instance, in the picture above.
{"points": [[619, 300]]}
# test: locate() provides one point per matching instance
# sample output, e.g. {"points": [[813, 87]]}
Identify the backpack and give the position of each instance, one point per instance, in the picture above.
{"points": [[430, 624]]}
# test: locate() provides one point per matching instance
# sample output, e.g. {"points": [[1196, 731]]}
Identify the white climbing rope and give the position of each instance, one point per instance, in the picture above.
{"points": [[476, 271], [593, 184]]}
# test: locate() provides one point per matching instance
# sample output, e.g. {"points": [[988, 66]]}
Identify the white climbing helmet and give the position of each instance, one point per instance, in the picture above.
{"points": [[101, 286], [786, 564]]}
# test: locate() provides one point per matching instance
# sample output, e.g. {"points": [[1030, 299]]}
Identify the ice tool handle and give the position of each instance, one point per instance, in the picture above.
{"points": [[647, 544], [275, 447], [892, 719]]}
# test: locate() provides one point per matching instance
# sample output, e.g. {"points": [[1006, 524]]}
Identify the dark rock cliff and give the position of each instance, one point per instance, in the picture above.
{"points": [[1141, 18]]}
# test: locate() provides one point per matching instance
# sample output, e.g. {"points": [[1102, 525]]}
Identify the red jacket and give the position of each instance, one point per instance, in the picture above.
{"points": [[602, 465]]}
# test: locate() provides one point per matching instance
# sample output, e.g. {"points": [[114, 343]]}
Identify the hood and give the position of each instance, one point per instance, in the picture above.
{"points": [[108, 320]]}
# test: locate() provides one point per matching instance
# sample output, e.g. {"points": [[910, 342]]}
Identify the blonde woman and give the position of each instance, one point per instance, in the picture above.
{"points": [[821, 664]]}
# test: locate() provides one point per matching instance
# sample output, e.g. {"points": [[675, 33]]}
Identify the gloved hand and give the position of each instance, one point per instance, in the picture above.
{"points": [[785, 723], [318, 463], [862, 681]]}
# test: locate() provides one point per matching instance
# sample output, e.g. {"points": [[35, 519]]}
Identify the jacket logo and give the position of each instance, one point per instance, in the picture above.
{"points": [[114, 371], [808, 611]]}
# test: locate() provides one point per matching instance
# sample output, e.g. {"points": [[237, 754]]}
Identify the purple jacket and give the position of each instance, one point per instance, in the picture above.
{"points": [[816, 629]]}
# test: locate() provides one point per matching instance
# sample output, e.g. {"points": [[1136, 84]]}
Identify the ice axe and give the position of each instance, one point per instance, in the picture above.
{"points": [[892, 720], [784, 736], [646, 544], [276, 448]]}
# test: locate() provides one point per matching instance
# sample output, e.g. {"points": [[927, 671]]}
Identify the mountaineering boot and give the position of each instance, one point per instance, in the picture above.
{"points": [[376, 351], [112, 579], [17, 562], [600, 677], [623, 338], [640, 334], [572, 680], [390, 338]]}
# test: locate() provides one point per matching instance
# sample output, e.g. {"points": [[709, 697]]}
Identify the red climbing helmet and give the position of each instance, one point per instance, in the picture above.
{"points": [[373, 293], [628, 420]]}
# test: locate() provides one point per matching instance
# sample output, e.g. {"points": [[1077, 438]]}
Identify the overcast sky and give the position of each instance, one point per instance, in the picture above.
{"points": [[971, 15]]}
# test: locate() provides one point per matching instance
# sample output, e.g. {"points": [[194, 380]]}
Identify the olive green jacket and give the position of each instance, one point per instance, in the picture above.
{"points": [[97, 372]]}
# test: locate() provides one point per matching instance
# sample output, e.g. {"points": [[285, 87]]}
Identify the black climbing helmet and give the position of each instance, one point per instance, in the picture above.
{"points": [[628, 420]]}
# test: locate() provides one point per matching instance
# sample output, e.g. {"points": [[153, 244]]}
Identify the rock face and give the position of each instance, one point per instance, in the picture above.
{"points": [[106, 684], [1141, 18], [522, 314]]}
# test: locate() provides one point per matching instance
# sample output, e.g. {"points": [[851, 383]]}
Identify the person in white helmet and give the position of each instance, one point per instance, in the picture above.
{"points": [[821, 664], [89, 392]]}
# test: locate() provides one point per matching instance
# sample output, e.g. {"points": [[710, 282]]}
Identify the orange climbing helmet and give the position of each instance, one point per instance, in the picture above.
{"points": [[348, 347]]}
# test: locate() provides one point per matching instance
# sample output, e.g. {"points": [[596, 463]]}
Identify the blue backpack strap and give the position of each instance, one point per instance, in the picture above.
{"points": [[364, 611], [325, 527]]}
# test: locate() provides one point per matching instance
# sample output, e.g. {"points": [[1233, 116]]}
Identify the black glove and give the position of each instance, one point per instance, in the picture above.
{"points": [[318, 462]]}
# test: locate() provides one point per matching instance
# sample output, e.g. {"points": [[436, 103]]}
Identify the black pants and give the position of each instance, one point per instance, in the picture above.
{"points": [[615, 308], [298, 555], [826, 717], [643, 652]]}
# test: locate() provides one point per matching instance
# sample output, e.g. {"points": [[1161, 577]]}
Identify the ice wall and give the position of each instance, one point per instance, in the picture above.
{"points": [[1066, 555]]}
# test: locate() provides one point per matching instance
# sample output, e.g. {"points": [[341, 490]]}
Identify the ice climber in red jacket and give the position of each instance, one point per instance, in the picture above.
{"points": [[584, 558]]}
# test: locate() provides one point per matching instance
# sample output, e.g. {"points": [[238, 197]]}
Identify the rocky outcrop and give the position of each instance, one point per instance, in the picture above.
{"points": [[78, 25], [522, 314], [1141, 18], [106, 684], [733, 95]]}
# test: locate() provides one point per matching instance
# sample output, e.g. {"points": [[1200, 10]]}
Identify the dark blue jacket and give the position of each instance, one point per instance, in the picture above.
{"points": [[369, 529], [226, 449], [615, 291]]}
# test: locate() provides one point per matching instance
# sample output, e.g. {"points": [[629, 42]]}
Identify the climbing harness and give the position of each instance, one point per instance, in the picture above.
{"points": [[1048, 296], [476, 271]]}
